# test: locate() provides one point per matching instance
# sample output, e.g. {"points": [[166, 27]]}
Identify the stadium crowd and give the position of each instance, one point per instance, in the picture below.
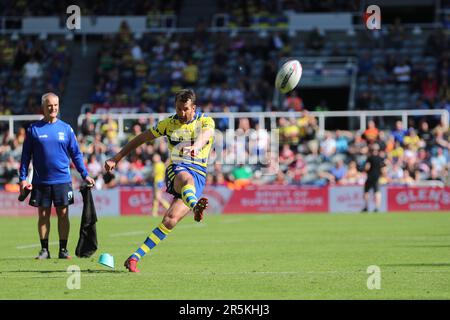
{"points": [[306, 156], [30, 66], [234, 73], [144, 73]]}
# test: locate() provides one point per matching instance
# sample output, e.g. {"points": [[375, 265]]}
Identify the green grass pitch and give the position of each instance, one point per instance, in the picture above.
{"points": [[311, 256]]}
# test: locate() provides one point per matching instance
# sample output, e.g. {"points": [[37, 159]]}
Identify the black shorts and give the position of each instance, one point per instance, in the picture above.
{"points": [[371, 184], [43, 195]]}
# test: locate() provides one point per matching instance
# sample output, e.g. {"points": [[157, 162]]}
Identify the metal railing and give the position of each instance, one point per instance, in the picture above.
{"points": [[23, 117], [273, 116], [363, 116]]}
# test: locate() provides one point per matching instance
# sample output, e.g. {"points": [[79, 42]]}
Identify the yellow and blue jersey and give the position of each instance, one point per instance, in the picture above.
{"points": [[183, 134], [158, 174], [180, 135]]}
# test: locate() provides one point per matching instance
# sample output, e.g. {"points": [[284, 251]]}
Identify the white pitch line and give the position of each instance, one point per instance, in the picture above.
{"points": [[28, 246]]}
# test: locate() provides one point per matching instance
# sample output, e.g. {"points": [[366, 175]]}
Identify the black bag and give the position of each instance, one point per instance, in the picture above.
{"points": [[87, 244]]}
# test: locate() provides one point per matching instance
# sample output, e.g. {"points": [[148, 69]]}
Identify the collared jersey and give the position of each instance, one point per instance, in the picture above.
{"points": [[51, 146], [180, 135]]}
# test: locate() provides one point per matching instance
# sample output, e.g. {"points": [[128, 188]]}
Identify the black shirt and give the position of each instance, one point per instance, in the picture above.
{"points": [[428, 137], [376, 163]]}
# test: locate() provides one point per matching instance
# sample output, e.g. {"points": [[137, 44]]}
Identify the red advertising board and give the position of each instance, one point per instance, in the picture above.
{"points": [[137, 201], [277, 198], [10, 206], [418, 199]]}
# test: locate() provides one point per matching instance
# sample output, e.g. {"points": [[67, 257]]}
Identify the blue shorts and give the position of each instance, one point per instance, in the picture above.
{"points": [[158, 184], [173, 169], [43, 195]]}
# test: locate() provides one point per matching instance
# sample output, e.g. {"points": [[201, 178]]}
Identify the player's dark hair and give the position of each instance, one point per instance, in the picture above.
{"points": [[184, 95]]}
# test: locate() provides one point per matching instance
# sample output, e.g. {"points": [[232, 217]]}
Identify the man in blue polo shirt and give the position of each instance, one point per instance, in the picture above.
{"points": [[50, 143]]}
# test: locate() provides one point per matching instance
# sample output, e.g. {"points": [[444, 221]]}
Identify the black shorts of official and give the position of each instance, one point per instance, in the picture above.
{"points": [[371, 184], [60, 195]]}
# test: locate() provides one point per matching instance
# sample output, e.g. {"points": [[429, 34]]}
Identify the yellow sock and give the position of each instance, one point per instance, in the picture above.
{"points": [[188, 195]]}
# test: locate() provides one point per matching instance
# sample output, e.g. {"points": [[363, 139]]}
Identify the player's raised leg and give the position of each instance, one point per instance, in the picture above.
{"points": [[174, 214], [184, 184]]}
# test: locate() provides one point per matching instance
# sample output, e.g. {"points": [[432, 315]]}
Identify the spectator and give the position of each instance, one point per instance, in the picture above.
{"points": [[287, 156], [412, 140], [297, 170], [426, 135], [442, 141], [423, 161], [190, 73], [32, 69], [359, 146], [337, 173], [290, 132], [397, 153], [219, 179], [371, 133], [413, 168], [87, 125], [439, 161], [352, 176], [407, 179], [177, 66], [110, 129], [94, 167], [136, 52], [402, 72], [241, 176], [328, 146], [399, 133], [342, 141]]}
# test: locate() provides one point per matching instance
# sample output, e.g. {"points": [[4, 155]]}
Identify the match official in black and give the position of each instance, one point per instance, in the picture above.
{"points": [[373, 167], [51, 143]]}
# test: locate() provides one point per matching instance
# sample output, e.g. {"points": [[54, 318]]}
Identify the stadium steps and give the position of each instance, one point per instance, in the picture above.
{"points": [[80, 82], [191, 10]]}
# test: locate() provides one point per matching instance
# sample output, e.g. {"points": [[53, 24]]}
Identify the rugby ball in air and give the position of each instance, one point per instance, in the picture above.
{"points": [[288, 76]]}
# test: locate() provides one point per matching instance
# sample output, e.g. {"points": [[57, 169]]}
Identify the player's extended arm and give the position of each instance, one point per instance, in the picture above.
{"points": [[130, 146], [27, 151], [26, 156], [75, 155]]}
